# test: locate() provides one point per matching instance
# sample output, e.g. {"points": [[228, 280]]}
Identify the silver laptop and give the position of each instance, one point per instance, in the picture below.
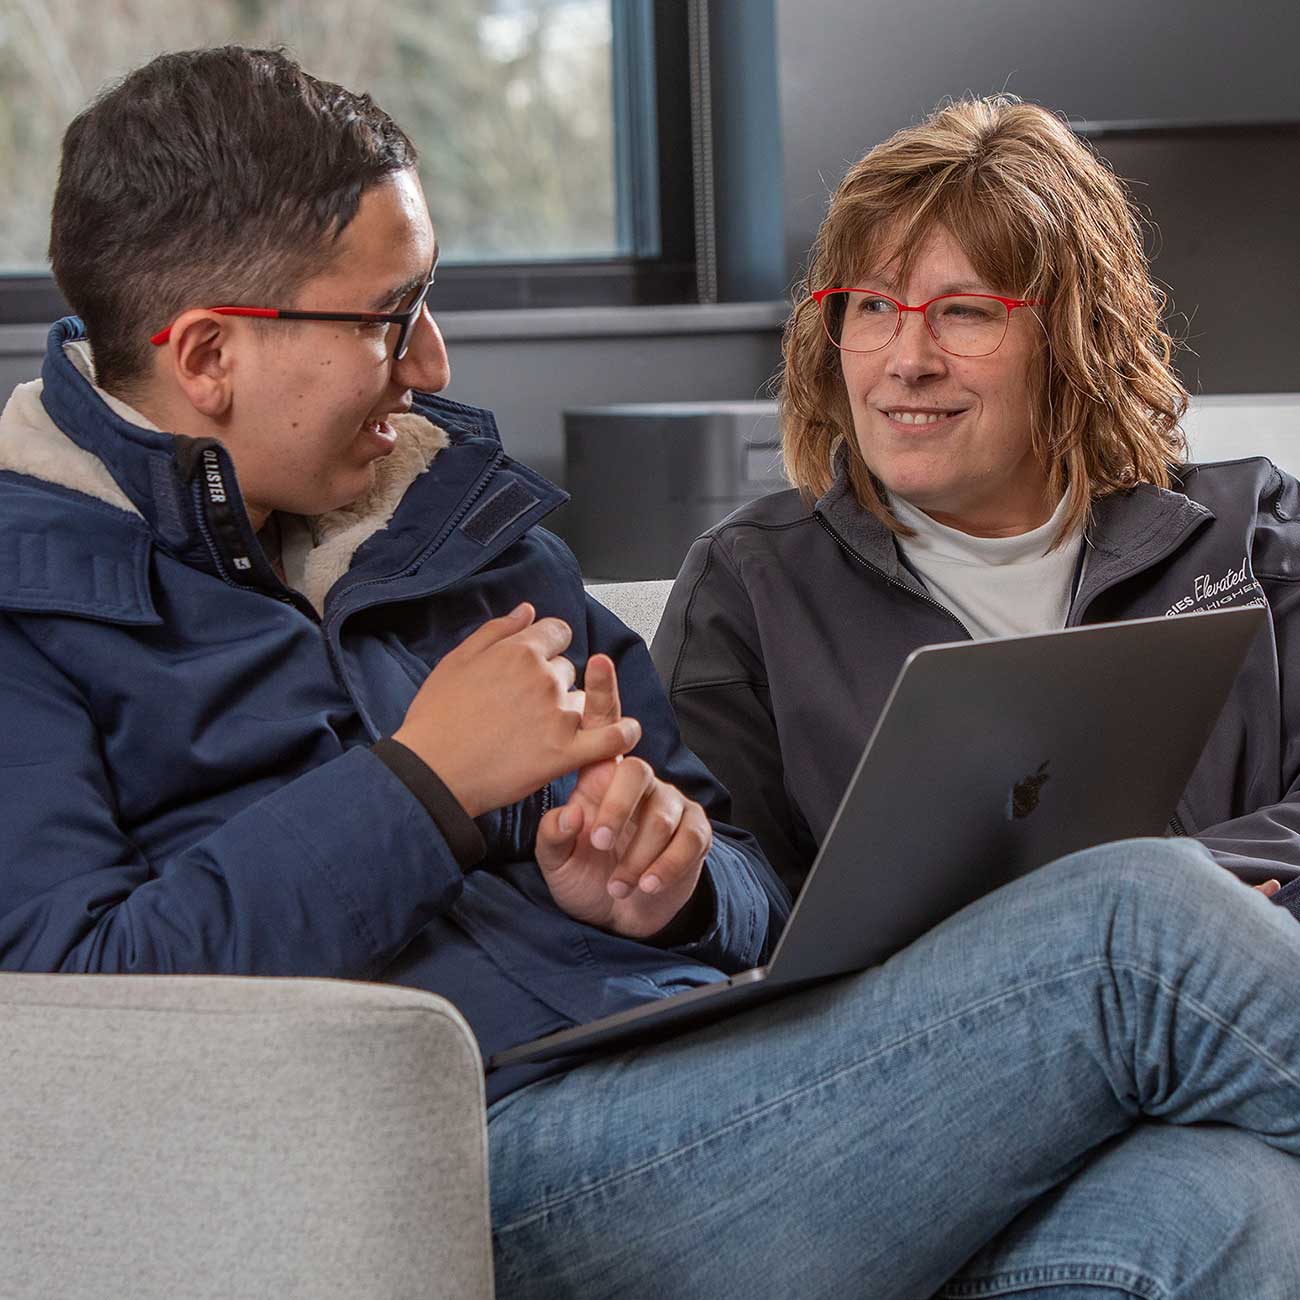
{"points": [[989, 759]]}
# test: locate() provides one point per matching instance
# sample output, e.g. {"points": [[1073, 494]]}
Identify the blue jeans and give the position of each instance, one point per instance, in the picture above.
{"points": [[990, 1113]]}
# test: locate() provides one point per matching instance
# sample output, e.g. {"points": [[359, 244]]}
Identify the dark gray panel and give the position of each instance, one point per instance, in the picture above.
{"points": [[685, 465], [1224, 246], [852, 73]]}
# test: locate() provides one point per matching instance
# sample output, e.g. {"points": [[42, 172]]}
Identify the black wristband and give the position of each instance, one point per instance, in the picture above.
{"points": [[456, 825], [695, 919]]}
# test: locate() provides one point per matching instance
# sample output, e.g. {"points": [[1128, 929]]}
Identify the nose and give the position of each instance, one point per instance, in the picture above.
{"points": [[425, 365], [914, 356]]}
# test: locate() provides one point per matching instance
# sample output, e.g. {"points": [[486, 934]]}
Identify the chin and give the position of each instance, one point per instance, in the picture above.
{"points": [[344, 494], [910, 487]]}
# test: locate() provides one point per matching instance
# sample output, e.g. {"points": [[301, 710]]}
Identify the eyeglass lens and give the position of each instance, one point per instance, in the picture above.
{"points": [[860, 321], [408, 325]]}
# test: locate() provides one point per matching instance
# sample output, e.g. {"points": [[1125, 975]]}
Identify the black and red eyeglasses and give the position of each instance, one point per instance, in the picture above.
{"points": [[405, 320]]}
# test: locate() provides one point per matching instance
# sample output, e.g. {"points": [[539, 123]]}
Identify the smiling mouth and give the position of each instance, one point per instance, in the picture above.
{"points": [[380, 434], [920, 417]]}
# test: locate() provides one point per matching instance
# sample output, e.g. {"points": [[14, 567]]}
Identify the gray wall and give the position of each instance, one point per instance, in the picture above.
{"points": [[853, 71]]}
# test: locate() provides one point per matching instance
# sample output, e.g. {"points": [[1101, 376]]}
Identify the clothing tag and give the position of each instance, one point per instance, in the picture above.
{"points": [[204, 459]]}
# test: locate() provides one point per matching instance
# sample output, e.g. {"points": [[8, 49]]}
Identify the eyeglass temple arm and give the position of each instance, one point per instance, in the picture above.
{"points": [[289, 313], [266, 313]]}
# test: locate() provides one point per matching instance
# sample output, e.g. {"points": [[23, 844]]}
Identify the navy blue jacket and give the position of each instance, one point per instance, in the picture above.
{"points": [[187, 778]]}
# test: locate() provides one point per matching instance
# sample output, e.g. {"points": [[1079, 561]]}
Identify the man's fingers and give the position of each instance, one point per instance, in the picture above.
{"points": [[683, 853], [618, 820], [1269, 888], [550, 635], [564, 671], [557, 835], [600, 681], [597, 745], [496, 629]]}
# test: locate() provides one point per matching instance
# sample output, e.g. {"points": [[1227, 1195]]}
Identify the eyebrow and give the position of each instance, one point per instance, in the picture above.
{"points": [[407, 287]]}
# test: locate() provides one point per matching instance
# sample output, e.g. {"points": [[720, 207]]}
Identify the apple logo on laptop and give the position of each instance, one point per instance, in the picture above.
{"points": [[1024, 794]]}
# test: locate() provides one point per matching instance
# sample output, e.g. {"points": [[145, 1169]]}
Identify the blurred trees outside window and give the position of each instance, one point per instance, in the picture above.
{"points": [[509, 102]]}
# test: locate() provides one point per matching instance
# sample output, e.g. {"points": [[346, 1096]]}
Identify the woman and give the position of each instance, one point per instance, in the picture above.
{"points": [[981, 423], [980, 419]]}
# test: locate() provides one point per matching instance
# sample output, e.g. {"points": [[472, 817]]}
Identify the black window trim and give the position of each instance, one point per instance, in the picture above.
{"points": [[654, 204]]}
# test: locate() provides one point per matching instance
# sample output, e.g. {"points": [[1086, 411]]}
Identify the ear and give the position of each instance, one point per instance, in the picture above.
{"points": [[201, 353]]}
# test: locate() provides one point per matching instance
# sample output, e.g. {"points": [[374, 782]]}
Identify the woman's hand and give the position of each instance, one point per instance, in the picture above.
{"points": [[625, 853]]}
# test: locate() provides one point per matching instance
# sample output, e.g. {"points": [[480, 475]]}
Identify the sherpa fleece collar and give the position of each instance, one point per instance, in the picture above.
{"points": [[64, 430]]}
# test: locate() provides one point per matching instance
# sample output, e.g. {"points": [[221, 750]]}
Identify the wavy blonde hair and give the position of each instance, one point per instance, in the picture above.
{"points": [[1039, 215]]}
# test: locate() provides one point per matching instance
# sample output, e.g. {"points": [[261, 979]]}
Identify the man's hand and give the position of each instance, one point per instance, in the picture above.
{"points": [[496, 719], [625, 853], [1269, 888]]}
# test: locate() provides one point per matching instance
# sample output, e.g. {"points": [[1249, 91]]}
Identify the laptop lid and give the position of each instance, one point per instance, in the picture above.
{"points": [[995, 757]]}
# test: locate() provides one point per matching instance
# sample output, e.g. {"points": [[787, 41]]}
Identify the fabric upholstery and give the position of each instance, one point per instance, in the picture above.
{"points": [[229, 1137], [639, 604]]}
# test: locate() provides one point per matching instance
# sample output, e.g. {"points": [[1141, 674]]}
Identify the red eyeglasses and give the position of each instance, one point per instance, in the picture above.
{"points": [[405, 320], [962, 324]]}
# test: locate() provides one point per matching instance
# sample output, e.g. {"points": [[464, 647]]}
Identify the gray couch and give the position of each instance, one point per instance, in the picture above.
{"points": [[169, 1137]]}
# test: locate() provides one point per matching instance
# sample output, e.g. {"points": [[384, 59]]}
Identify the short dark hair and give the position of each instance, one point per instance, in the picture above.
{"points": [[207, 176]]}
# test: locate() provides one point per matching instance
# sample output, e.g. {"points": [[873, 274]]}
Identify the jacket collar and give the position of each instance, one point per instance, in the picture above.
{"points": [[151, 468], [1130, 531], [68, 440], [862, 531], [141, 460], [1126, 532]]}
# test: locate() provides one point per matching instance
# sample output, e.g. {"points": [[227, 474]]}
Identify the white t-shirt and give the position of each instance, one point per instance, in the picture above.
{"points": [[997, 586]]}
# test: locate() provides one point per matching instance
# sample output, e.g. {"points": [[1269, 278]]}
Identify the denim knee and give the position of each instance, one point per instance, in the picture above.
{"points": [[1163, 1211], [1167, 874], [1148, 862]]}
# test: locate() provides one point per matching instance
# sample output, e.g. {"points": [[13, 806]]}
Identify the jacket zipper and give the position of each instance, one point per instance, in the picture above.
{"points": [[206, 533], [893, 582], [302, 606]]}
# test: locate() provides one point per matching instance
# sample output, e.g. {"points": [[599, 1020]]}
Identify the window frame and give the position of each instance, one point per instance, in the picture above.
{"points": [[654, 200]]}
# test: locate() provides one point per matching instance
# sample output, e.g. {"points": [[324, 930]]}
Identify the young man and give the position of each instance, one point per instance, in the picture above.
{"points": [[288, 690]]}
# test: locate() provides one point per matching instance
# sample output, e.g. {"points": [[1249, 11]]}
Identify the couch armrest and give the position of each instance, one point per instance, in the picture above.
{"points": [[198, 1136]]}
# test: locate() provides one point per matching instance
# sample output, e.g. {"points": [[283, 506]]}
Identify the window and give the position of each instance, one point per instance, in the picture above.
{"points": [[536, 122]]}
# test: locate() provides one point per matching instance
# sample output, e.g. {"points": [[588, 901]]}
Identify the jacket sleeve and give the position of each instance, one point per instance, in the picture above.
{"points": [[1262, 845], [330, 875], [749, 904], [709, 655], [1265, 842]]}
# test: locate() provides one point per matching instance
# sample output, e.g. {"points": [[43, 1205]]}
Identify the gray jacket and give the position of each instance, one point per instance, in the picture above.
{"points": [[788, 625]]}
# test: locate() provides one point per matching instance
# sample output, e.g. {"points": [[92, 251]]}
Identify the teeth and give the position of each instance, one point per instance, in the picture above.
{"points": [[918, 417]]}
